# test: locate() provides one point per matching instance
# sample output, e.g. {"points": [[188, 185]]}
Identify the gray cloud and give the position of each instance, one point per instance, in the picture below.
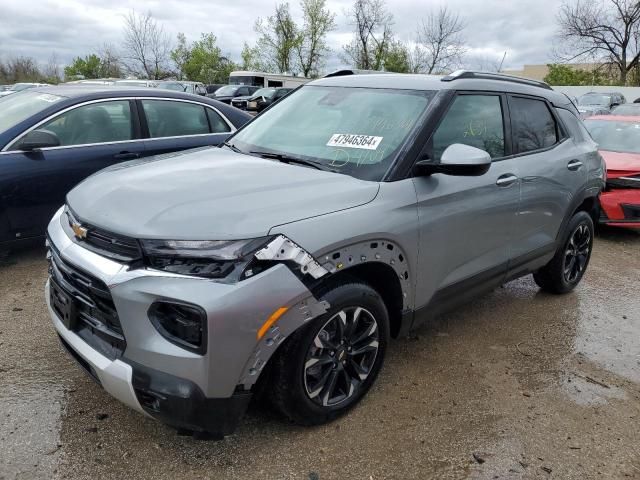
{"points": [[524, 29]]}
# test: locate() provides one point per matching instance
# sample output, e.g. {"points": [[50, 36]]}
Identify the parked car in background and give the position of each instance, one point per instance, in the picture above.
{"points": [[136, 83], [595, 103], [228, 92], [194, 88], [93, 81], [212, 87], [265, 97], [19, 87], [52, 138], [627, 109], [355, 209], [618, 138]]}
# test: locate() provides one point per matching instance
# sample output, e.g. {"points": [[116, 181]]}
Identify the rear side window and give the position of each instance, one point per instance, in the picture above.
{"points": [[217, 123], [474, 120], [100, 122], [173, 119], [533, 125]]}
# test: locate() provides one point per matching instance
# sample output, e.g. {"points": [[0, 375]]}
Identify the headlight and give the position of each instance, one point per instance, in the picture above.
{"points": [[203, 258]]}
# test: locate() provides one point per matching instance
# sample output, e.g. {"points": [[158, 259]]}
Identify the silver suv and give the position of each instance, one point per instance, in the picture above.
{"points": [[356, 209]]}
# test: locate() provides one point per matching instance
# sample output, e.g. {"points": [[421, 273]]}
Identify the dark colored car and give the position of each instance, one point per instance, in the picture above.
{"points": [[228, 92], [596, 103], [265, 97], [618, 139], [212, 87], [51, 138]]}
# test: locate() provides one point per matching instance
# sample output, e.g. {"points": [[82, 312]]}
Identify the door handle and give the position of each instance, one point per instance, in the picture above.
{"points": [[506, 180], [126, 156], [574, 165]]}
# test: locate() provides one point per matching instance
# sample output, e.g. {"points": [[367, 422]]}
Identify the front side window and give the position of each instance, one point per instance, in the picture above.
{"points": [[356, 131], [533, 125], [474, 120], [174, 119], [101, 122]]}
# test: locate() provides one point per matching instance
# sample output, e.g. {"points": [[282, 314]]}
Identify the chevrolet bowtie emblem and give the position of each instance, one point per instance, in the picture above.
{"points": [[79, 231]]}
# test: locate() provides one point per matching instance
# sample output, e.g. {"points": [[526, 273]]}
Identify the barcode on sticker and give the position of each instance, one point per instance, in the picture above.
{"points": [[367, 142]]}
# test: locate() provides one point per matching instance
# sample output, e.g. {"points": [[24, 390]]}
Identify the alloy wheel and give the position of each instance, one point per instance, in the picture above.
{"points": [[577, 253], [341, 356]]}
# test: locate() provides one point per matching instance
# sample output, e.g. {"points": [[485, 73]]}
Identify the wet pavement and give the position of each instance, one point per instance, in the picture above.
{"points": [[518, 384]]}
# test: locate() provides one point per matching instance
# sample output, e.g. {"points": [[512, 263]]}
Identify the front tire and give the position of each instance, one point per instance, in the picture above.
{"points": [[565, 270], [326, 367]]}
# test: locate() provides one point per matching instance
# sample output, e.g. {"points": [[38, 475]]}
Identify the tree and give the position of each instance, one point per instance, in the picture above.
{"points": [[278, 40], [250, 57], [110, 61], [605, 29], [146, 46], [311, 46], [22, 69], [565, 75], [51, 72], [398, 58], [180, 54], [440, 42], [87, 67], [372, 37], [205, 62]]}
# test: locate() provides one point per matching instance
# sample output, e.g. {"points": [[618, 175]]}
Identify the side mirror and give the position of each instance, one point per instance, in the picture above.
{"points": [[37, 139], [458, 160]]}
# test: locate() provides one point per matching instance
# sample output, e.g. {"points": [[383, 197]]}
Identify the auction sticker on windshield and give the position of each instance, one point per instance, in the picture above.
{"points": [[367, 142]]}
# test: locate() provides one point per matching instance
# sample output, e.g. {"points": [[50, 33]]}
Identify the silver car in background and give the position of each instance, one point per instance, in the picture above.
{"points": [[281, 264]]}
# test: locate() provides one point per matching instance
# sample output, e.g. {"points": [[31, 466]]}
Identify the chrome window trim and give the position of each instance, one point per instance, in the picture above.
{"points": [[6, 149]]}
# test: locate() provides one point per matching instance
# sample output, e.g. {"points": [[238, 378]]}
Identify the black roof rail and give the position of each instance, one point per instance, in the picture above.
{"points": [[494, 76], [351, 71]]}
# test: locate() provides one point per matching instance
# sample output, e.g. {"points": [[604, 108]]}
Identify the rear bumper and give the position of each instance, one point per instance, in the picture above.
{"points": [[620, 208]]}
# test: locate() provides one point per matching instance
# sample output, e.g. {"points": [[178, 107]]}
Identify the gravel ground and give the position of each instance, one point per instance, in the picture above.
{"points": [[518, 384]]}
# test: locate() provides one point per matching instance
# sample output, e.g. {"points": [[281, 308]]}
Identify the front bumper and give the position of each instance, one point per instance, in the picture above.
{"points": [[206, 392], [620, 208]]}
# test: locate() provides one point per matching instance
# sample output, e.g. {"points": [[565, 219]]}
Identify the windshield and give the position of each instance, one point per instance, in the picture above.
{"points": [[615, 136], [227, 90], [591, 99], [356, 131], [629, 109], [265, 92], [20, 106]]}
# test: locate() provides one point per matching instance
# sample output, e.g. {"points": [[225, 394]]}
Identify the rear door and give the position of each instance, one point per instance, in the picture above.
{"points": [[551, 174], [174, 125], [92, 136], [466, 223]]}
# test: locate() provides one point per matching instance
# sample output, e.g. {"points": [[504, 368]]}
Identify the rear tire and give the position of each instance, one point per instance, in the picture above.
{"points": [[565, 270], [325, 368]]}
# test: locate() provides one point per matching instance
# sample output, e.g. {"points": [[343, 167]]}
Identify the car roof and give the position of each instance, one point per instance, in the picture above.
{"points": [[402, 81], [80, 90], [614, 118]]}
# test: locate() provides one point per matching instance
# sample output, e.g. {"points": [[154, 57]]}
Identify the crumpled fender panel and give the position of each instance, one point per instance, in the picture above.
{"points": [[285, 250]]}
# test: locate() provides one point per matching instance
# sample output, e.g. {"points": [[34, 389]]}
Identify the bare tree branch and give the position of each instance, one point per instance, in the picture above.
{"points": [[146, 46], [440, 41], [604, 29]]}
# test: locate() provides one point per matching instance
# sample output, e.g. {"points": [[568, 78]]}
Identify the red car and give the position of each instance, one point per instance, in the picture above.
{"points": [[618, 138]]}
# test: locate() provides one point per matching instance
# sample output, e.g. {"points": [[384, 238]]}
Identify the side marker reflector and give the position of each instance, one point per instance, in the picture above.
{"points": [[271, 320]]}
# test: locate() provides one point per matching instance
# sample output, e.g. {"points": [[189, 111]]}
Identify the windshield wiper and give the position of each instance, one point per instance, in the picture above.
{"points": [[281, 157], [232, 147]]}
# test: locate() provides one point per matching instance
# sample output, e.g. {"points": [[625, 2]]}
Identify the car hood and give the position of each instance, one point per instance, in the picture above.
{"points": [[212, 194], [620, 164], [244, 97], [6, 92]]}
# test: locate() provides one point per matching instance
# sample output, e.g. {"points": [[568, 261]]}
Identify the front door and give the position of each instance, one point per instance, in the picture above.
{"points": [[92, 137], [466, 223]]}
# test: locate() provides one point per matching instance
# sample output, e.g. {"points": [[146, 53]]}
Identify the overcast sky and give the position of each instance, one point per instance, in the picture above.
{"points": [[524, 29]]}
